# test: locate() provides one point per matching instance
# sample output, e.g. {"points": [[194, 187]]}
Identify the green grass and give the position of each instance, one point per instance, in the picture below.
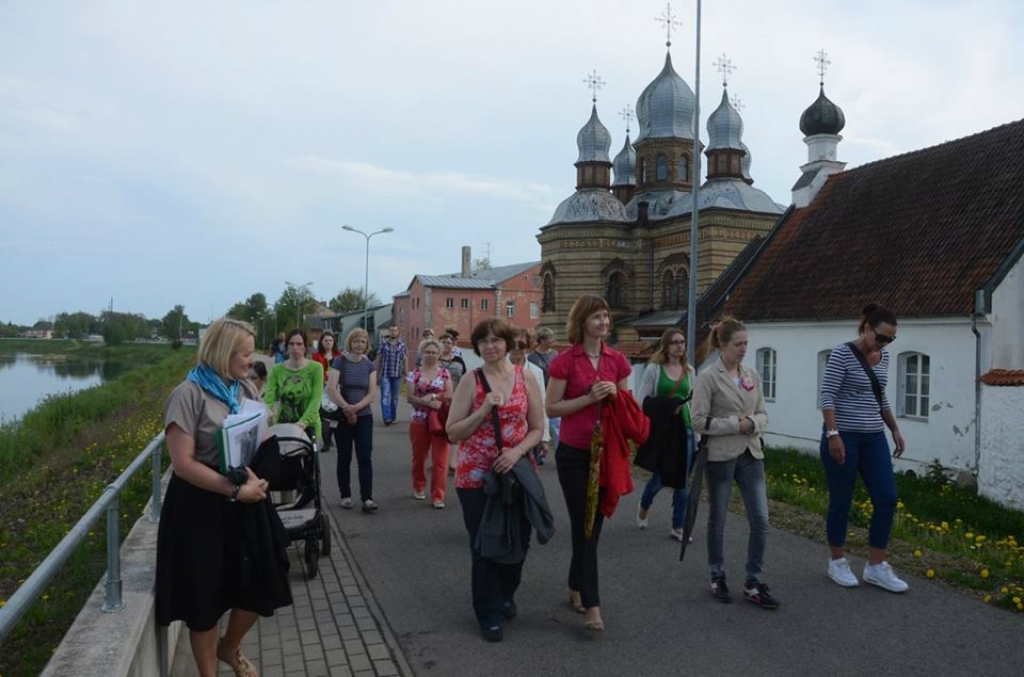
{"points": [[55, 463]]}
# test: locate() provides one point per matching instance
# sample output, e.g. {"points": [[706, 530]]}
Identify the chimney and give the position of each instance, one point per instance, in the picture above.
{"points": [[467, 261]]}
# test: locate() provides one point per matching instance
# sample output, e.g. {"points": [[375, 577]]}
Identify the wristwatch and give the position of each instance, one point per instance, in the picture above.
{"points": [[831, 433], [234, 492]]}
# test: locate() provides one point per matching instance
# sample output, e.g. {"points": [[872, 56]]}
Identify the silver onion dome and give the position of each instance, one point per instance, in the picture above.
{"points": [[624, 166], [745, 162], [725, 126], [665, 107], [593, 140]]}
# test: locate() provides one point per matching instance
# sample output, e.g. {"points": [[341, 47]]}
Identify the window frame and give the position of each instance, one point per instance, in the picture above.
{"points": [[510, 309], [768, 360], [922, 396]]}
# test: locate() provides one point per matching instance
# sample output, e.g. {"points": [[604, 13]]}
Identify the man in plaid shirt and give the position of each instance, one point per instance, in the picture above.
{"points": [[392, 365]]}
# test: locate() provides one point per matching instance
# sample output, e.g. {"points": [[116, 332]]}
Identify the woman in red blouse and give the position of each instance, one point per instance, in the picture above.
{"points": [[515, 393], [581, 378], [429, 386]]}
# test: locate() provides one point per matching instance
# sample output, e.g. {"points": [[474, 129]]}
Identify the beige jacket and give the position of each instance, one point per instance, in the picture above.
{"points": [[717, 397]]}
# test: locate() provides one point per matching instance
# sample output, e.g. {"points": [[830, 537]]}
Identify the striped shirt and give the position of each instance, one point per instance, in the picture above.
{"points": [[847, 390]]}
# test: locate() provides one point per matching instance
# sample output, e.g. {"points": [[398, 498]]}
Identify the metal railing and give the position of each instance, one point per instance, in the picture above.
{"points": [[110, 502]]}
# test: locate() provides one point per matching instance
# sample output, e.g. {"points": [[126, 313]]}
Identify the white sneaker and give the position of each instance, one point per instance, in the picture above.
{"points": [[641, 522], [839, 571], [883, 576]]}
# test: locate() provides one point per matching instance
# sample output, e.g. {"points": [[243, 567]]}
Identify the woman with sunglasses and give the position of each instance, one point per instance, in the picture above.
{"points": [[853, 441]]}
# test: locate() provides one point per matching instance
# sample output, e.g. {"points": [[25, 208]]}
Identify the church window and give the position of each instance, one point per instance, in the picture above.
{"points": [[669, 291], [914, 385], [661, 168], [642, 170], [684, 168], [615, 292], [766, 365], [548, 294]]}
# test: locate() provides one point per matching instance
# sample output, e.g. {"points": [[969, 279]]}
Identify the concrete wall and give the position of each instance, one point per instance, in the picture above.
{"points": [[1001, 467], [1008, 321], [946, 434], [124, 643]]}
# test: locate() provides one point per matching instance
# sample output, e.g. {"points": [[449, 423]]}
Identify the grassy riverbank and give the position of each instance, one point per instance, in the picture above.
{"points": [[54, 463]]}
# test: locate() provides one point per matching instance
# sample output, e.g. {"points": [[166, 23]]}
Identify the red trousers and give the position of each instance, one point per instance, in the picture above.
{"points": [[437, 446]]}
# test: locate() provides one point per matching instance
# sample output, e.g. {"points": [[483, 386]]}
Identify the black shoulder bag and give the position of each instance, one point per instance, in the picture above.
{"points": [[494, 410], [876, 387]]}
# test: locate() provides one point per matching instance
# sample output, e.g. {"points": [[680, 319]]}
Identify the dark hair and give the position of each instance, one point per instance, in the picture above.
{"points": [[259, 369], [660, 355], [873, 315], [524, 331], [499, 328], [584, 307], [297, 332], [320, 343], [722, 333], [453, 332]]}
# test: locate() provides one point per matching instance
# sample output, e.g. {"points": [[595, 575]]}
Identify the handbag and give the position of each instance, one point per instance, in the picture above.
{"points": [[495, 422], [437, 419], [328, 408]]}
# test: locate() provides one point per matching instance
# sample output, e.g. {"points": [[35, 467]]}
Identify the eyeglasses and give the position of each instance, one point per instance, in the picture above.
{"points": [[882, 338], [677, 342]]}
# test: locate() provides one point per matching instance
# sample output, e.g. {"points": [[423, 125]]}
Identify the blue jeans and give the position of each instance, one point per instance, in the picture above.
{"points": [[389, 386], [749, 475], [869, 454], [361, 436], [679, 496]]}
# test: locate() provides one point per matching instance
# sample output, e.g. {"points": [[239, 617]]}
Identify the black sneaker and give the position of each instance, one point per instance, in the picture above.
{"points": [[757, 592], [492, 633], [509, 610], [720, 591]]}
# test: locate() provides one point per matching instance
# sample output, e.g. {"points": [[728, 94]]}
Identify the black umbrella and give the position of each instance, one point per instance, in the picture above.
{"points": [[696, 483]]}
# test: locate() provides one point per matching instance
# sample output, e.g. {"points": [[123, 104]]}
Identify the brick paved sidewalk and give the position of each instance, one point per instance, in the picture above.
{"points": [[334, 628]]}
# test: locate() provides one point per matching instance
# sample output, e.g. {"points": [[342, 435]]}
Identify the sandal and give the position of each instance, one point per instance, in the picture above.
{"points": [[346, 503], [594, 624], [576, 602], [239, 662]]}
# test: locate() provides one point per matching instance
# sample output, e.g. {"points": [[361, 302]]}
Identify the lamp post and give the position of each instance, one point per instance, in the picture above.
{"points": [[366, 277], [298, 300]]}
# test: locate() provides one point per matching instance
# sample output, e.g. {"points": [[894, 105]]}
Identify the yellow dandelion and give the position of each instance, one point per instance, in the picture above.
{"points": [[988, 598], [917, 553], [1016, 600], [969, 535], [930, 573], [984, 573]]}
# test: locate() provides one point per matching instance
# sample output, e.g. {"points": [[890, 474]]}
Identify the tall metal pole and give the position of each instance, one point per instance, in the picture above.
{"points": [[366, 276], [691, 306]]}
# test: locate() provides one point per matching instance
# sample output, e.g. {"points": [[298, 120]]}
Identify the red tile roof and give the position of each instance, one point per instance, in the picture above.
{"points": [[1004, 377], [918, 233]]}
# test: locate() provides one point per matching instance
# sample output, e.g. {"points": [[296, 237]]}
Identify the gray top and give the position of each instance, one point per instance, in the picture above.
{"points": [[354, 380], [200, 415]]}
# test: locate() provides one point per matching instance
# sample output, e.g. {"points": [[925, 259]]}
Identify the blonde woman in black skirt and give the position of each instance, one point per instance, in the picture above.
{"points": [[199, 573]]}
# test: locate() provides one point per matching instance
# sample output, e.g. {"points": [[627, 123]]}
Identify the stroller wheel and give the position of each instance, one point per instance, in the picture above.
{"points": [[325, 544], [312, 559]]}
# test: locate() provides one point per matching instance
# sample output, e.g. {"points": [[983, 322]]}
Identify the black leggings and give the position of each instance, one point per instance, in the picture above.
{"points": [[573, 468]]}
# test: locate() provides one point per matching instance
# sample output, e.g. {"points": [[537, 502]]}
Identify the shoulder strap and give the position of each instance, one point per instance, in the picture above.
{"points": [[876, 387], [679, 382], [494, 410]]}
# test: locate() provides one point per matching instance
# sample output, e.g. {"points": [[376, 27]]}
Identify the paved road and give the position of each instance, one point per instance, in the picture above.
{"points": [[659, 615]]}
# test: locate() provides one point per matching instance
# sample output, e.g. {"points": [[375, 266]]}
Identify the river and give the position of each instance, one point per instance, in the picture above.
{"points": [[26, 378]]}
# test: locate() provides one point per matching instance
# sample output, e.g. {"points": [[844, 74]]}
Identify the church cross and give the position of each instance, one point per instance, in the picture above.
{"points": [[823, 63], [627, 115], [725, 67], [669, 20], [594, 83], [737, 103]]}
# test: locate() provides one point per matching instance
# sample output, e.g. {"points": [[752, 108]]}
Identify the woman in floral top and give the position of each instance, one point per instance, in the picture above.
{"points": [[430, 386], [516, 394]]}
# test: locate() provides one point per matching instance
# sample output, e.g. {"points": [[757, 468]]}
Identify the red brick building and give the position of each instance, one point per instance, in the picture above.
{"points": [[460, 300]]}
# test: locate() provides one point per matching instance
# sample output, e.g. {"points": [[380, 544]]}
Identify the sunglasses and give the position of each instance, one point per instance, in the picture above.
{"points": [[882, 338], [677, 342], [521, 345]]}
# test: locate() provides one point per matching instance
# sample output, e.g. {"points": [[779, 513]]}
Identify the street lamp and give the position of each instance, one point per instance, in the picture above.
{"points": [[366, 277], [298, 301]]}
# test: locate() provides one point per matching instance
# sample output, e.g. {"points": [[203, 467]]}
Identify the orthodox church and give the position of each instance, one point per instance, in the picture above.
{"points": [[625, 232]]}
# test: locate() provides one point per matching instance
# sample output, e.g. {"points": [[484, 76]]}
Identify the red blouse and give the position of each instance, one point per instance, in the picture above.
{"points": [[478, 452], [574, 367]]}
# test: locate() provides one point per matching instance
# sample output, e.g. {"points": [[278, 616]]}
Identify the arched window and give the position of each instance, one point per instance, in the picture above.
{"points": [[766, 366], [661, 168], [615, 293], [642, 170], [684, 168], [669, 291], [548, 294], [914, 385]]}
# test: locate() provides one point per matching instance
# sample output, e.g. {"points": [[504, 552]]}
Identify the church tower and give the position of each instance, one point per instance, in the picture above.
{"points": [[821, 124]]}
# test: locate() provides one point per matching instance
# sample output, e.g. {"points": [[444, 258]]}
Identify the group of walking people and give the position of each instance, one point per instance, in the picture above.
{"points": [[500, 416]]}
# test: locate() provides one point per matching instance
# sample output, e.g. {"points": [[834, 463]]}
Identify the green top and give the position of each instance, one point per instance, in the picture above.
{"points": [[666, 385], [299, 392]]}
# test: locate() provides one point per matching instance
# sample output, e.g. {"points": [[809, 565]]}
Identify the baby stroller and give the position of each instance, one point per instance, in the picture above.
{"points": [[296, 493]]}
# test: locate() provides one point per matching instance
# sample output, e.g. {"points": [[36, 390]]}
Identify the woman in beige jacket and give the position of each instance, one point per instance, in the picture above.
{"points": [[728, 410]]}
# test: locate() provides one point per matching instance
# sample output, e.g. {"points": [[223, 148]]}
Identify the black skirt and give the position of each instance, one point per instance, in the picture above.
{"points": [[214, 555]]}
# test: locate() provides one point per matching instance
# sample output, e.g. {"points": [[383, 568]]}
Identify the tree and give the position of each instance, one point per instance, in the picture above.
{"points": [[350, 300], [175, 323], [251, 309], [120, 327], [295, 303], [76, 325], [482, 264]]}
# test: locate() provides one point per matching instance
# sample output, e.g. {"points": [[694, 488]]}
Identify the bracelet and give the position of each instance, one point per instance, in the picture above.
{"points": [[234, 492]]}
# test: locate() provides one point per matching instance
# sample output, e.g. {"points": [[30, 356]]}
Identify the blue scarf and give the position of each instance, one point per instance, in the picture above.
{"points": [[209, 380]]}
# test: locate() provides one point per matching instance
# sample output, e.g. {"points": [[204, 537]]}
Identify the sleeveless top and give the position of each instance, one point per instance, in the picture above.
{"points": [[478, 452], [666, 384]]}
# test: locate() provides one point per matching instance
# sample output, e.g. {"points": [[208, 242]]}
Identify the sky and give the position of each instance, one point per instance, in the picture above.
{"points": [[197, 152]]}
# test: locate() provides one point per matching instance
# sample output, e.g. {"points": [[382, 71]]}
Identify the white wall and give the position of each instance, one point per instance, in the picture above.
{"points": [[1008, 321], [947, 434], [1001, 471]]}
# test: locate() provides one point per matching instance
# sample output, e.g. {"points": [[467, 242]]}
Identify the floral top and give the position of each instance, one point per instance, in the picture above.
{"points": [[478, 452], [423, 388]]}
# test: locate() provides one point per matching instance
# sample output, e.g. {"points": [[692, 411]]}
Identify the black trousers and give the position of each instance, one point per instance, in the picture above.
{"points": [[494, 585], [573, 468]]}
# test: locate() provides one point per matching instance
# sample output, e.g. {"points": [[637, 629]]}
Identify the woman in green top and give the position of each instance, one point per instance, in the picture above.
{"points": [[668, 375], [295, 386]]}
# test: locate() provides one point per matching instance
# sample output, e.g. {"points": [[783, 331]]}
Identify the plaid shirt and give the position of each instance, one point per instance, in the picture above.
{"points": [[390, 356]]}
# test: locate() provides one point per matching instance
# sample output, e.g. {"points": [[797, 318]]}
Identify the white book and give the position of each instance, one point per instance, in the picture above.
{"points": [[241, 434]]}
